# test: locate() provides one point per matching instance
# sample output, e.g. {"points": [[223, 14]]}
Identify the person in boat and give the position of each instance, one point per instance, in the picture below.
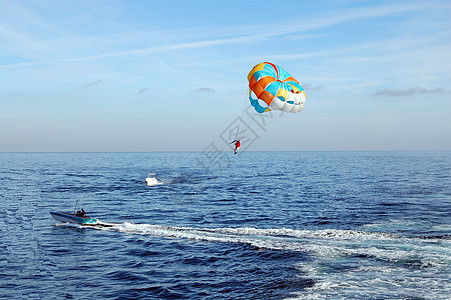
{"points": [[81, 213], [237, 146]]}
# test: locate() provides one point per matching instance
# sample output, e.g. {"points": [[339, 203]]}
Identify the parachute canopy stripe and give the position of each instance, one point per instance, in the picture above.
{"points": [[274, 87], [282, 94], [258, 108]]}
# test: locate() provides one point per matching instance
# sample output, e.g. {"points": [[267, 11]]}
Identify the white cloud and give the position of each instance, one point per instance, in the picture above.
{"points": [[93, 83], [410, 92], [205, 90], [61, 39], [143, 90]]}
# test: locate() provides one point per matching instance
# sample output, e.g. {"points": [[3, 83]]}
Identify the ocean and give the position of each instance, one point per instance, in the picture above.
{"points": [[257, 225]]}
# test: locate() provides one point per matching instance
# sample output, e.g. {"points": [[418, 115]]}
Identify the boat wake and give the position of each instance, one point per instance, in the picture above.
{"points": [[359, 256], [329, 243], [325, 243]]}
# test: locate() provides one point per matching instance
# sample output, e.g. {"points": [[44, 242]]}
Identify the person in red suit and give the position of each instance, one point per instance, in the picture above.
{"points": [[237, 146]]}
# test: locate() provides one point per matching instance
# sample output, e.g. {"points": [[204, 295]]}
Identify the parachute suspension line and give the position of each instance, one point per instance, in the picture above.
{"points": [[248, 118], [243, 121], [239, 134]]}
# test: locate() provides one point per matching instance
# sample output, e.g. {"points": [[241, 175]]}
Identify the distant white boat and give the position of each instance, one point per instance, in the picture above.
{"points": [[151, 180]]}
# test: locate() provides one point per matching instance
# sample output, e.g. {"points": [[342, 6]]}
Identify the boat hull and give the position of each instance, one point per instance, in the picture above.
{"points": [[71, 218], [151, 181]]}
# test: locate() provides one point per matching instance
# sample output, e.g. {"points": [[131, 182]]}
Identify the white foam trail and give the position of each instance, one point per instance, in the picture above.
{"points": [[330, 243], [368, 280], [374, 262]]}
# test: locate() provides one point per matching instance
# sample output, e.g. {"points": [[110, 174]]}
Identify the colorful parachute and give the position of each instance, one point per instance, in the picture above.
{"points": [[274, 88]]}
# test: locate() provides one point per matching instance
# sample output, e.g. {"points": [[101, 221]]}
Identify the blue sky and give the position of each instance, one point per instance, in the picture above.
{"points": [[172, 75]]}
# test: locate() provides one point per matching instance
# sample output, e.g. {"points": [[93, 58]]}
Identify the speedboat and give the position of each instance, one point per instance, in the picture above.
{"points": [[80, 220], [151, 180], [72, 218]]}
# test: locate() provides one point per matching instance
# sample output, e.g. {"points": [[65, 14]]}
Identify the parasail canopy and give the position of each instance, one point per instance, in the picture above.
{"points": [[271, 87]]}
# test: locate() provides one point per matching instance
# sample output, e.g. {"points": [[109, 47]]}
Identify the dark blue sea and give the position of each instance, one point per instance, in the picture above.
{"points": [[258, 225]]}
